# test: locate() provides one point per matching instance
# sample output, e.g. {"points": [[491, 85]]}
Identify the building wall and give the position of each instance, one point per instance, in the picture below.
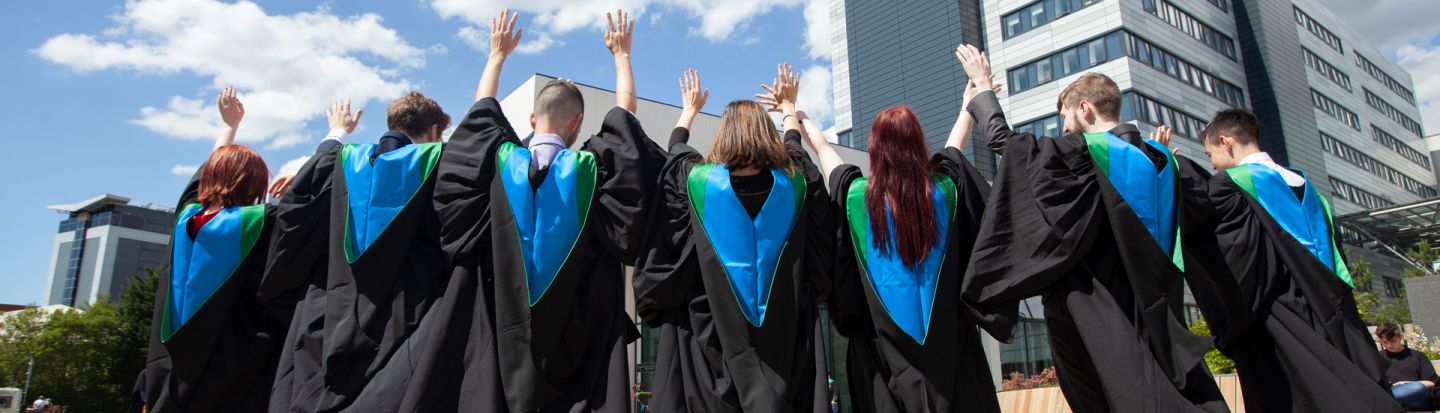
{"points": [[122, 241], [1424, 293]]}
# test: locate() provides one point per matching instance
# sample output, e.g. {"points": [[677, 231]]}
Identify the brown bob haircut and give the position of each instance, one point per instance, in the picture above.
{"points": [[233, 176], [413, 114], [747, 138], [1095, 88]]}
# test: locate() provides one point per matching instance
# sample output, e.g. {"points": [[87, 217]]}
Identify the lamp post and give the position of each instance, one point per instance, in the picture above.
{"points": [[26, 392]]}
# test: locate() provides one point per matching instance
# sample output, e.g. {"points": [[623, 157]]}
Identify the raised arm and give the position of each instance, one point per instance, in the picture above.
{"points": [[985, 106], [780, 95], [829, 159], [231, 112], [503, 38], [961, 131], [617, 39], [692, 98]]}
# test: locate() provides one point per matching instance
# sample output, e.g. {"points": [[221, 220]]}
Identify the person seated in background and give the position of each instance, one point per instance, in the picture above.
{"points": [[1411, 374]]}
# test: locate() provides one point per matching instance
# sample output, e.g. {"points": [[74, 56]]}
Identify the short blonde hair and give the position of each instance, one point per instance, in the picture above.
{"points": [[1095, 88]]}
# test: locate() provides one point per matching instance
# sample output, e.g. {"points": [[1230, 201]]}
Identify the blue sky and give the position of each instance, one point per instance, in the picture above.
{"points": [[118, 98], [77, 107]]}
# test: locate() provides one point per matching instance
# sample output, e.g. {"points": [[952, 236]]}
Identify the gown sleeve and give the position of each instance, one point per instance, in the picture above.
{"points": [[820, 233], [464, 174], [667, 266], [846, 300], [629, 164], [971, 190], [300, 236], [1043, 208]]}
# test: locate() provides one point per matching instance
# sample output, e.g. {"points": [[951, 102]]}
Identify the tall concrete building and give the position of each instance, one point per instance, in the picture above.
{"points": [[1329, 102], [101, 244]]}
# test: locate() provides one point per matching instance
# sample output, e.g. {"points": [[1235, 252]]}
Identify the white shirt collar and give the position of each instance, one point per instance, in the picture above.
{"points": [[547, 139], [1263, 159]]}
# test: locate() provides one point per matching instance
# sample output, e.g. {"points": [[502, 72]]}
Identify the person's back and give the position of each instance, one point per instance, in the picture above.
{"points": [[730, 272], [1273, 284], [1089, 221], [907, 232]]}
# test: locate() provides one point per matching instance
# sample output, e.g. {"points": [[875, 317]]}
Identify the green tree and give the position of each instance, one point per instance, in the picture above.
{"points": [[1372, 310], [85, 360], [1219, 364], [1424, 255]]}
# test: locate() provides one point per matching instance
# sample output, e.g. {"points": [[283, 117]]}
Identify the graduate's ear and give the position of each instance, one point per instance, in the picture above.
{"points": [[435, 132], [574, 127], [532, 120]]}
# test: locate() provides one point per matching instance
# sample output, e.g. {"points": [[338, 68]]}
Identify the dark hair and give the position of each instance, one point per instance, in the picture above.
{"points": [[900, 178], [1238, 124], [234, 175], [559, 99], [747, 138], [1095, 88], [1387, 331], [414, 113]]}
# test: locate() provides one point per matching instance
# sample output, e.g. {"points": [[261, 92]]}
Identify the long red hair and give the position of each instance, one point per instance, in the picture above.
{"points": [[900, 178], [234, 175]]}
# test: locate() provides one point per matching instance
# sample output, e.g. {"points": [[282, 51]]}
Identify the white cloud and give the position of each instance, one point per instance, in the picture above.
{"points": [[817, 29], [292, 166], [544, 20], [815, 94], [184, 170], [287, 67], [1423, 63]]}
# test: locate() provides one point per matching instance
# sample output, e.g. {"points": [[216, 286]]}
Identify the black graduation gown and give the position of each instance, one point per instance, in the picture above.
{"points": [[710, 357], [1285, 318], [1055, 226], [890, 371], [489, 347], [352, 318], [223, 357]]}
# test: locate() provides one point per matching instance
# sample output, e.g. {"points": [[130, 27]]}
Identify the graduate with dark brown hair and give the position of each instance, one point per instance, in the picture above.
{"points": [[736, 261], [1278, 294], [536, 236], [356, 238], [904, 237], [1091, 223]]}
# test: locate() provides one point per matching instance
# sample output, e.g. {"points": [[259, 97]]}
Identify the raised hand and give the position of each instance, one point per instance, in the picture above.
{"points": [[503, 34], [971, 90], [281, 184], [1162, 135], [692, 97], [977, 65], [618, 35], [782, 92], [503, 39], [341, 118], [231, 110]]}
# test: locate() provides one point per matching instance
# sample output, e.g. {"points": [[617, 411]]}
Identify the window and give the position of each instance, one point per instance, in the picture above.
{"points": [[1062, 63], [1358, 196], [1394, 288], [1375, 167], [1191, 26], [1320, 32], [1376, 102], [1224, 5], [1390, 82], [1405, 151], [1327, 70], [1035, 15], [1048, 125], [1325, 104], [1164, 61], [1138, 106]]}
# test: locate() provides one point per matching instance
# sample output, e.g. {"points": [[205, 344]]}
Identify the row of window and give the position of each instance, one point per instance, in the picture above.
{"points": [[1040, 13], [1066, 62], [1405, 151], [1326, 69], [1164, 61], [1224, 5], [1134, 106], [1390, 82], [1113, 46], [1320, 32], [1137, 106], [1192, 26], [1358, 196], [1327, 105], [1391, 112], [1375, 167]]}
